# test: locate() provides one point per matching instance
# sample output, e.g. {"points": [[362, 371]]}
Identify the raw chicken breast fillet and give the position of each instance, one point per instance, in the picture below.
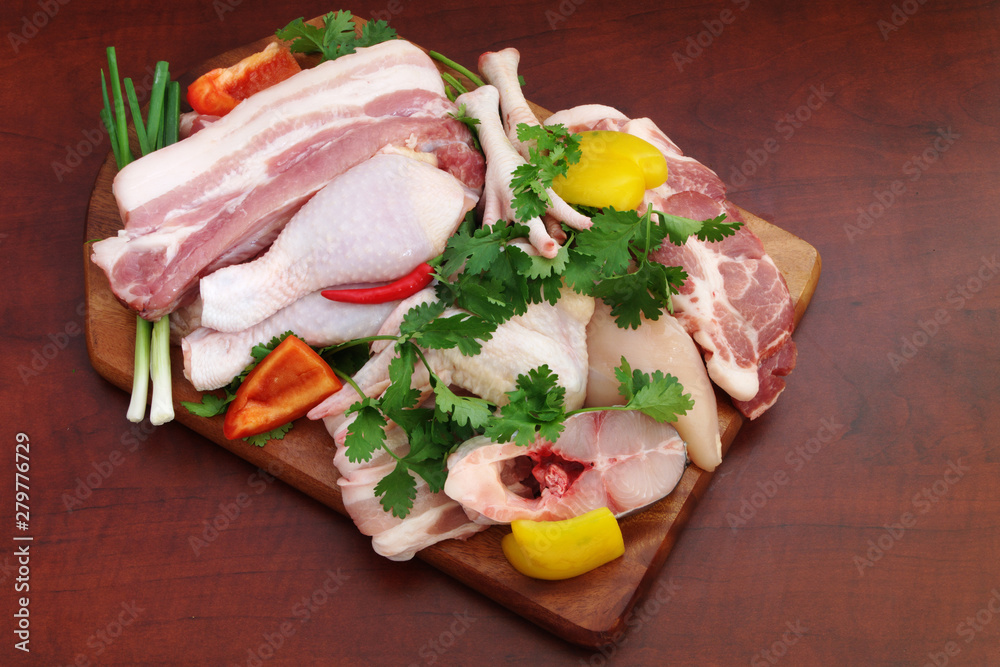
{"points": [[664, 346]]}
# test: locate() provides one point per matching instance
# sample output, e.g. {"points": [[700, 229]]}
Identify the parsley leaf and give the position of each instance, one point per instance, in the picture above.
{"points": [[262, 439], [679, 229], [600, 262], [535, 409], [658, 396], [434, 472], [554, 149], [400, 395], [304, 38], [366, 433], [420, 316], [376, 32], [336, 38], [210, 406], [463, 410], [261, 350], [397, 490], [635, 295], [461, 330], [716, 230], [609, 242]]}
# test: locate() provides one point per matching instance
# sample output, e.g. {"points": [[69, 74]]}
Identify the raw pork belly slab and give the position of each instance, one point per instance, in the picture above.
{"points": [[220, 196], [433, 518], [735, 303]]}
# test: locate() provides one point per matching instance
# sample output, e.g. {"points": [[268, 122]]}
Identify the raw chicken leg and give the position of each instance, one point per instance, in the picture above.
{"points": [[213, 358], [374, 223], [501, 161], [499, 68]]}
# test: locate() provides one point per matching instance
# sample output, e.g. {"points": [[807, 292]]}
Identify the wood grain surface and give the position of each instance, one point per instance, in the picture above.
{"points": [[588, 610], [855, 523]]}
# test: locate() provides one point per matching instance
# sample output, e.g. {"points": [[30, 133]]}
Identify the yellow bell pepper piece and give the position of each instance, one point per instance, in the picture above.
{"points": [[615, 169], [563, 549]]}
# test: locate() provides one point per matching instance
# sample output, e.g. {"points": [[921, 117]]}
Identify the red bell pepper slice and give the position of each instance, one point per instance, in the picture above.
{"points": [[217, 92], [291, 380]]}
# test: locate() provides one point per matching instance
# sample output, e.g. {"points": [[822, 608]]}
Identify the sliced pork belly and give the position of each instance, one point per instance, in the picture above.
{"points": [[433, 518], [622, 460], [213, 358], [374, 223], [735, 303], [219, 196], [664, 346]]}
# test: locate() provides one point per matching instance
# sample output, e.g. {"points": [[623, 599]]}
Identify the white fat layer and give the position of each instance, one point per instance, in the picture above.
{"points": [[329, 86]]}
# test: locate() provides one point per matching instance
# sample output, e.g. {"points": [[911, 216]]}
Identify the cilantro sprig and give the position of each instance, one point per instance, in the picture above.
{"points": [[336, 38], [432, 433], [553, 150], [611, 260], [536, 408]]}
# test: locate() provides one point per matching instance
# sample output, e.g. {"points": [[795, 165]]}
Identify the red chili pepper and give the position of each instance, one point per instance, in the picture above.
{"points": [[408, 285]]}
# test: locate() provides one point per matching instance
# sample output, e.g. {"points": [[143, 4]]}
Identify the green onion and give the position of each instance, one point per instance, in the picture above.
{"points": [[454, 83], [140, 129], [152, 341], [109, 123], [140, 375], [458, 68], [172, 114], [162, 408], [121, 126], [161, 77]]}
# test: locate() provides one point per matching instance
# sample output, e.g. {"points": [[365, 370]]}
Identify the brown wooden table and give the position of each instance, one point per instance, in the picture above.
{"points": [[855, 523]]}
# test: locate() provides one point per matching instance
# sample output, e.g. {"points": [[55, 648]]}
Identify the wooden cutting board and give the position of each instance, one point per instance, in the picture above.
{"points": [[591, 610]]}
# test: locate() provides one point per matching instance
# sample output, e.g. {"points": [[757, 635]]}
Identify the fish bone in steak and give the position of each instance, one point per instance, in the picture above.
{"points": [[221, 196]]}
